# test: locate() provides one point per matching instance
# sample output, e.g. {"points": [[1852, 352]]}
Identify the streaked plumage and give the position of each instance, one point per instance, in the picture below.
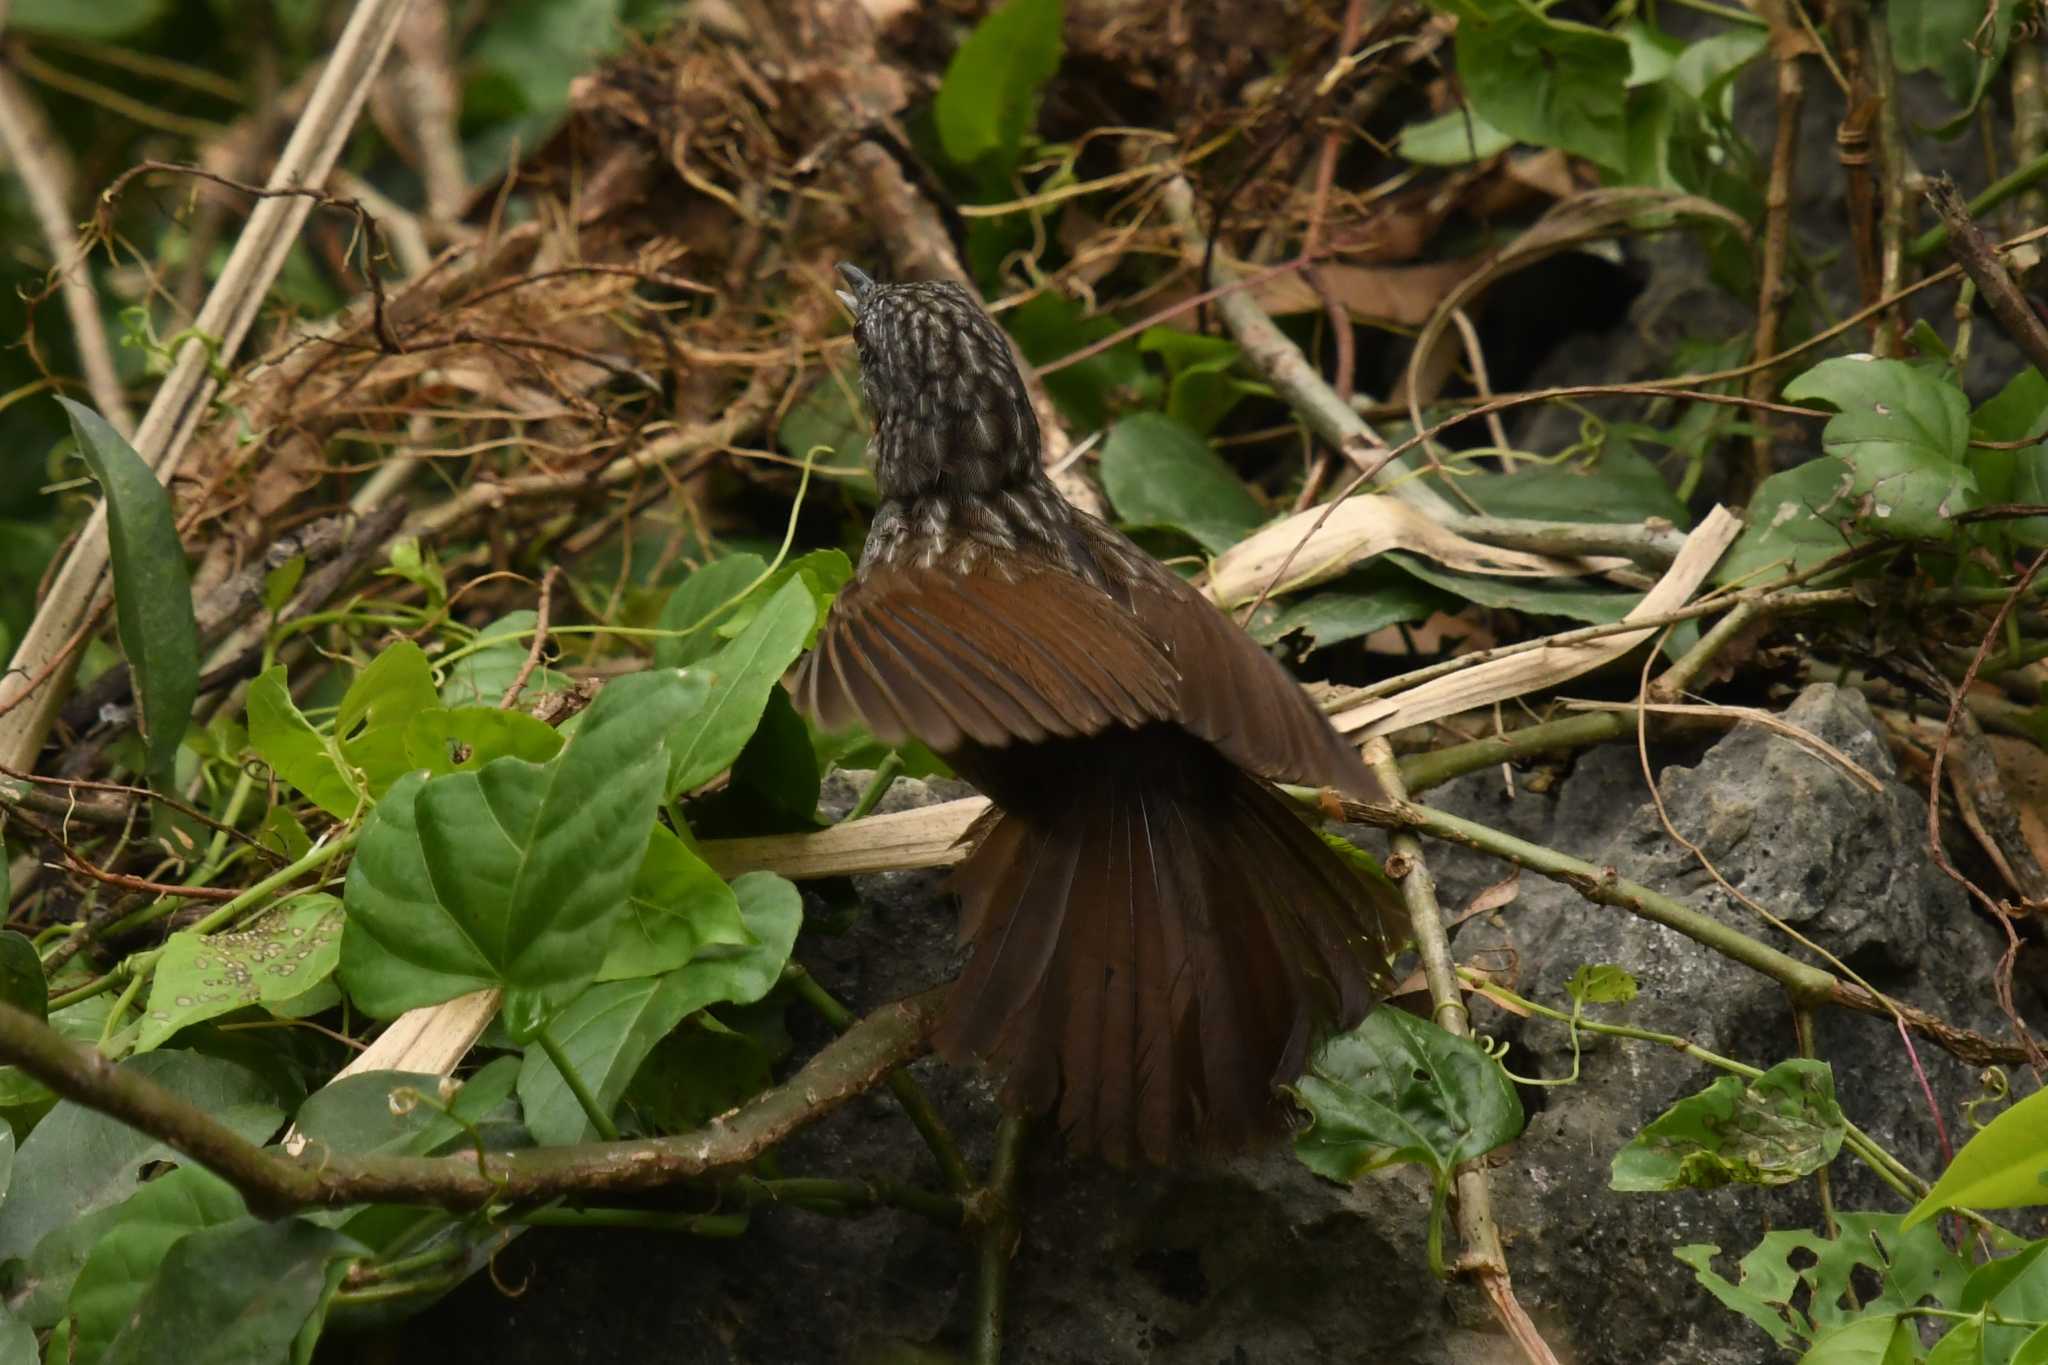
{"points": [[1157, 936]]}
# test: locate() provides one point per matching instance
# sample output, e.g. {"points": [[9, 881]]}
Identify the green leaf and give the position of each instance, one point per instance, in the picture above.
{"points": [[17, 1339], [1543, 81], [356, 1114], [2005, 1166], [1330, 618], [101, 20], [1963, 1344], [706, 741], [1202, 390], [536, 47], [1884, 1339], [377, 710], [297, 752], [419, 568], [286, 952], [1088, 392], [1622, 486], [152, 588], [606, 1033], [119, 1268], [704, 1069], [824, 572], [459, 739], [2018, 412], [988, 99], [21, 968], [281, 582], [1795, 520], [230, 1295], [511, 875], [772, 910], [1903, 434], [1399, 1089], [1601, 984], [700, 603], [1943, 37], [777, 773], [610, 1029], [480, 679], [2034, 1350], [677, 906], [1158, 473], [828, 417], [1456, 137], [1769, 1131], [1536, 596], [1742, 1298], [1792, 1273], [77, 1160]]}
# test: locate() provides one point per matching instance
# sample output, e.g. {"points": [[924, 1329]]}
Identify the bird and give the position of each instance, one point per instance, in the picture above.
{"points": [[1155, 936]]}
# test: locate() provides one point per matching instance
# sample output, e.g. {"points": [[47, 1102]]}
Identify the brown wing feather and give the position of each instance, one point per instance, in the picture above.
{"points": [[952, 658], [1233, 693]]}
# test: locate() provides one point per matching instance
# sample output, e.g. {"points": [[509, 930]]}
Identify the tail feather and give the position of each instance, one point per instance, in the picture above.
{"points": [[1154, 949]]}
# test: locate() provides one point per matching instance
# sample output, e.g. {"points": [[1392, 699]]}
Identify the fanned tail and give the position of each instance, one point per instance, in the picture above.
{"points": [[1156, 943]]}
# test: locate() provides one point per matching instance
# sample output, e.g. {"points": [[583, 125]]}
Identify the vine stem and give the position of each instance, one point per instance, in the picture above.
{"points": [[573, 1078], [1484, 1259], [945, 1150], [998, 1200]]}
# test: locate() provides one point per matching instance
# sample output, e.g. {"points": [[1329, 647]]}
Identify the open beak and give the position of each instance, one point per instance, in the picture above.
{"points": [[862, 286]]}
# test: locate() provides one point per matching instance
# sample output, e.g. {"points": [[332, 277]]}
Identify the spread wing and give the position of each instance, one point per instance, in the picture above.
{"points": [[1039, 652], [1240, 698], [947, 657]]}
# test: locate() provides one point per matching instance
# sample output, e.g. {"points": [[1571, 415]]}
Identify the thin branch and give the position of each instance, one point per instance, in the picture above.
{"points": [[1774, 290], [1977, 256], [274, 1185], [1484, 1258], [996, 1206], [45, 171]]}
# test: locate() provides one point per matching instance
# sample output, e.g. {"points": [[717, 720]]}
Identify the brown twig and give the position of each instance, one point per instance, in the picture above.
{"points": [[2000, 913], [1975, 253], [1774, 290], [1484, 1258], [1891, 180], [540, 641], [274, 1185]]}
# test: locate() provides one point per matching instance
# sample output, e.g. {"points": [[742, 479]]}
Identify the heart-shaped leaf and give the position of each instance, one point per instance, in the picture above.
{"points": [[511, 876]]}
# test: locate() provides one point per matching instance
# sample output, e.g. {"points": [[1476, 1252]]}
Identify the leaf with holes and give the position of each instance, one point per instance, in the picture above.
{"points": [[1793, 1273], [1903, 434], [286, 952], [78, 1160], [371, 726], [1773, 1130]]}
